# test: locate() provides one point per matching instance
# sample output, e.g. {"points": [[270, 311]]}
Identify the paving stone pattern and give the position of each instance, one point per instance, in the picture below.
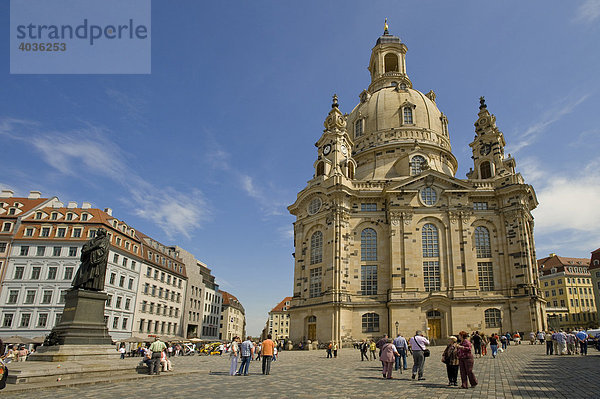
{"points": [[523, 371]]}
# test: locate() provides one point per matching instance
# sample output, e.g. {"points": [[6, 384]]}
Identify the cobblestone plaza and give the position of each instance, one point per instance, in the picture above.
{"points": [[521, 372]]}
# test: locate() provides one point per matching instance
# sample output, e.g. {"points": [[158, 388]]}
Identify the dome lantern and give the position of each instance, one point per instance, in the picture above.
{"points": [[388, 62]]}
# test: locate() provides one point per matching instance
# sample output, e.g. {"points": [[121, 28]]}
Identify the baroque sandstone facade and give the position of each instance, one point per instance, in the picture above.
{"points": [[387, 239]]}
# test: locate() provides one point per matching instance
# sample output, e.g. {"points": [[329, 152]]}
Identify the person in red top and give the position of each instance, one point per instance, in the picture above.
{"points": [[465, 361], [267, 354]]}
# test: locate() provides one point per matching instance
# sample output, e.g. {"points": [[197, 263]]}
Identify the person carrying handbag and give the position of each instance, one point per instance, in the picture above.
{"points": [[418, 345]]}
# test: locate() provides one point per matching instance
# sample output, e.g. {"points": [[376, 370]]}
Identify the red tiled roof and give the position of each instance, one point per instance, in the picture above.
{"points": [[228, 298], [281, 305], [560, 262]]}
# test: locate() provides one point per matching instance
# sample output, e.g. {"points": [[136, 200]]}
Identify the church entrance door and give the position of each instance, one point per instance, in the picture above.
{"points": [[435, 328]]}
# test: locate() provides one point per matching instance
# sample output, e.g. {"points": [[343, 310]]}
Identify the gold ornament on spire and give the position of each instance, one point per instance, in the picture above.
{"points": [[385, 28]]}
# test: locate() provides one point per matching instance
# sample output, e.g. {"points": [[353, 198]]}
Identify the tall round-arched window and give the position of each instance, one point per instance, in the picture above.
{"points": [[316, 248], [368, 244], [350, 171], [482, 242], [320, 169], [416, 164], [486, 170], [408, 116], [391, 62], [429, 236]]}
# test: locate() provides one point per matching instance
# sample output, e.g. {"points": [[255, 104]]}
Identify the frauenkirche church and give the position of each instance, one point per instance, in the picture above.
{"points": [[387, 239]]}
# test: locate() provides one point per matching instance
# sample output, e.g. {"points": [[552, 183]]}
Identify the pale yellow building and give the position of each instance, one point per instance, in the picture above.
{"points": [[567, 287], [233, 318], [278, 324], [386, 233]]}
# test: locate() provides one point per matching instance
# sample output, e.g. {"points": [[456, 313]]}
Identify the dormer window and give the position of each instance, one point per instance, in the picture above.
{"points": [[69, 216], [84, 217], [403, 86], [358, 128], [407, 116], [12, 211], [38, 215], [416, 165], [54, 216]]}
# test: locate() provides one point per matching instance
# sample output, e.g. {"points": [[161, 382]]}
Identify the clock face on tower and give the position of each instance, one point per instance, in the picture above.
{"points": [[326, 149], [485, 149]]}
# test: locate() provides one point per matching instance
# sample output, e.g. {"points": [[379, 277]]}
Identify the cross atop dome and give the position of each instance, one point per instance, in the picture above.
{"points": [[385, 28]]}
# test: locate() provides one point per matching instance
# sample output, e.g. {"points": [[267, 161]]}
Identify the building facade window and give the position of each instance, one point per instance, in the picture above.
{"points": [[431, 267], [486, 170], [485, 273], [315, 282], [492, 318], [416, 164], [52, 270], [368, 280], [370, 322], [35, 272], [316, 248], [429, 236], [68, 273], [13, 296], [19, 270], [429, 196], [431, 276], [358, 128], [42, 320], [8, 320], [47, 297], [482, 242], [368, 245], [407, 116], [24, 250], [368, 207]]}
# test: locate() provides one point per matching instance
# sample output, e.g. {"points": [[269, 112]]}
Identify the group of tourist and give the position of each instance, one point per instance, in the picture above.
{"points": [[245, 351], [570, 342]]}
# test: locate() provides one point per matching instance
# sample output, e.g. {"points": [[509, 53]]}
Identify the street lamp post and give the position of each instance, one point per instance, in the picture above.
{"points": [[397, 325]]}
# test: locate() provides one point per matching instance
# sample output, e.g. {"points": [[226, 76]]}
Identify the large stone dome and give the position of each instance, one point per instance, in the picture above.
{"points": [[394, 122]]}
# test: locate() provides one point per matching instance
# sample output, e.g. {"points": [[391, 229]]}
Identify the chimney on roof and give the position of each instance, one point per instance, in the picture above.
{"points": [[58, 204], [7, 193], [86, 205], [35, 195], [72, 204], [108, 211]]}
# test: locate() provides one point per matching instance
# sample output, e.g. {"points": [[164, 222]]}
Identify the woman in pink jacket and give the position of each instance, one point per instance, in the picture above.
{"points": [[388, 358], [465, 361]]}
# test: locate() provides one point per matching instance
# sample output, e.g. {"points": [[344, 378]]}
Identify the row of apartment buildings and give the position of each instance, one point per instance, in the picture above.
{"points": [[153, 288], [571, 288]]}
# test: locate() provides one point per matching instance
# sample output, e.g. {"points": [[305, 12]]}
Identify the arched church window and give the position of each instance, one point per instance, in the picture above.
{"points": [[408, 115], [358, 128], [320, 169], [482, 242], [486, 170], [416, 164], [391, 62], [368, 244], [350, 171], [316, 248], [370, 322], [403, 86], [312, 319], [492, 318], [429, 235]]}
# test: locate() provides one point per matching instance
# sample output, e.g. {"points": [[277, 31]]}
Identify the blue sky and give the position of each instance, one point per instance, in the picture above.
{"points": [[208, 150]]}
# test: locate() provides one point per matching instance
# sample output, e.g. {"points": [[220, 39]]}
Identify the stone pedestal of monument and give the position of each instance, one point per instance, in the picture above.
{"points": [[81, 333]]}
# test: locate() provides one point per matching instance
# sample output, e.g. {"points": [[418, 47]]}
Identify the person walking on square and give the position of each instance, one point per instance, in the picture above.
{"points": [[541, 337], [494, 345], [156, 348], [335, 349], [235, 355], [582, 338], [476, 343], [364, 349], [484, 342], [373, 348], [387, 357], [402, 348], [549, 343], [267, 354], [561, 339], [246, 352], [571, 342], [329, 349], [417, 346], [450, 358], [465, 361]]}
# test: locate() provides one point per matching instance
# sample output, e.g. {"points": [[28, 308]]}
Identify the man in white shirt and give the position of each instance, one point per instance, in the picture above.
{"points": [[418, 345]]}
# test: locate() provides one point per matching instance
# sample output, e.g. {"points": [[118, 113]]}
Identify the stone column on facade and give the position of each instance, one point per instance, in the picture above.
{"points": [[396, 262], [411, 255]]}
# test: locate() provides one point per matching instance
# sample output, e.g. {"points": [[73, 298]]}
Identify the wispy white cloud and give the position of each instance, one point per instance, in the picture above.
{"points": [[588, 11], [133, 106], [89, 152], [530, 134]]}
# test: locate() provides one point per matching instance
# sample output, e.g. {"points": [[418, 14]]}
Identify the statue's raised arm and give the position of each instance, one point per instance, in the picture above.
{"points": [[94, 258]]}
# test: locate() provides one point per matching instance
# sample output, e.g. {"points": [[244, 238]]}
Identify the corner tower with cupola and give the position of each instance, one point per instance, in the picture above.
{"points": [[388, 240]]}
